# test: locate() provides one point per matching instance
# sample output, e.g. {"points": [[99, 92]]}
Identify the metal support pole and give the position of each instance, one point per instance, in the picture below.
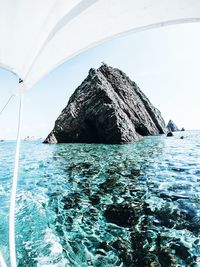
{"points": [[12, 244]]}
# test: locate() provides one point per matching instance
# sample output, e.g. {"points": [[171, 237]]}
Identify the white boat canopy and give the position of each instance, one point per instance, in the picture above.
{"points": [[38, 35]]}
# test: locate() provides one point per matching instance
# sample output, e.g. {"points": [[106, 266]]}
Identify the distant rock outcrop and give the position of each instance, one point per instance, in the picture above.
{"points": [[169, 134], [107, 108], [171, 126], [183, 129]]}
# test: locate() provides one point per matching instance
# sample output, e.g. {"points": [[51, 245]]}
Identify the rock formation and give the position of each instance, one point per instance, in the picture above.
{"points": [[107, 108], [171, 126], [169, 134]]}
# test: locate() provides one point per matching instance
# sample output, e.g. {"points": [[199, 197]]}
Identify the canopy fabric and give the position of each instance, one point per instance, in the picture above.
{"points": [[38, 35]]}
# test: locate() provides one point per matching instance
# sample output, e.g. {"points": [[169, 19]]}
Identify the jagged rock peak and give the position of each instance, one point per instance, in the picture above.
{"points": [[106, 108], [171, 126]]}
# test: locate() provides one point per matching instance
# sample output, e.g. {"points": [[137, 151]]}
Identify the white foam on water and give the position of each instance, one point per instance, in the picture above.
{"points": [[52, 239], [55, 248]]}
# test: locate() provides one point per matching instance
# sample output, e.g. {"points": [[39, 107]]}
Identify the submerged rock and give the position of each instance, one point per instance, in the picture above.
{"points": [[181, 251], [171, 126], [125, 252], [107, 108], [121, 214]]}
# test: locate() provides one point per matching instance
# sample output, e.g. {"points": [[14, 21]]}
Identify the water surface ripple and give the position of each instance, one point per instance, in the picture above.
{"points": [[105, 205]]}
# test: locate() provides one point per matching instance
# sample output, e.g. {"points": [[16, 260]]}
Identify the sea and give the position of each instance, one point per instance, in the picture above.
{"points": [[104, 205]]}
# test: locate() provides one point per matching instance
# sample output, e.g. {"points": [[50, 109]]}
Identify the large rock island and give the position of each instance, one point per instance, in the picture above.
{"points": [[107, 108]]}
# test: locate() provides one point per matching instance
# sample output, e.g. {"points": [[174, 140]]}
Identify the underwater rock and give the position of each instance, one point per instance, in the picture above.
{"points": [[140, 252], [79, 166], [71, 201], [107, 108], [181, 250], [95, 199], [165, 258], [135, 172], [109, 184], [122, 214], [171, 126], [103, 248], [125, 252]]}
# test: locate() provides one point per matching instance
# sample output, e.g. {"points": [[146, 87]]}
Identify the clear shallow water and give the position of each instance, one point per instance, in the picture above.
{"points": [[105, 205]]}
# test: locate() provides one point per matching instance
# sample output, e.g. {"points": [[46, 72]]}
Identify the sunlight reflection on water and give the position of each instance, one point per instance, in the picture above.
{"points": [[105, 205]]}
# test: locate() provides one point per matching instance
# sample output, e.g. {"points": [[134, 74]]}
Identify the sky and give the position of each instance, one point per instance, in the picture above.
{"points": [[164, 62]]}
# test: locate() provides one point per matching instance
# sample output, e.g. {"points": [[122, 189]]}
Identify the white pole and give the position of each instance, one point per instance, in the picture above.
{"points": [[2, 261], [12, 247]]}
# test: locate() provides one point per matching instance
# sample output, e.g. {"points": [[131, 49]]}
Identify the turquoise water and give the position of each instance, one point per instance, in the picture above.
{"points": [[105, 205]]}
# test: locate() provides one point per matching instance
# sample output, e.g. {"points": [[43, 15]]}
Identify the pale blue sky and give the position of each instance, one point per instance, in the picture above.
{"points": [[164, 62]]}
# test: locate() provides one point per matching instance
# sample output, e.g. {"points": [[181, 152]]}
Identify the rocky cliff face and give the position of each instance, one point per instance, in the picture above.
{"points": [[171, 126], [107, 108]]}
